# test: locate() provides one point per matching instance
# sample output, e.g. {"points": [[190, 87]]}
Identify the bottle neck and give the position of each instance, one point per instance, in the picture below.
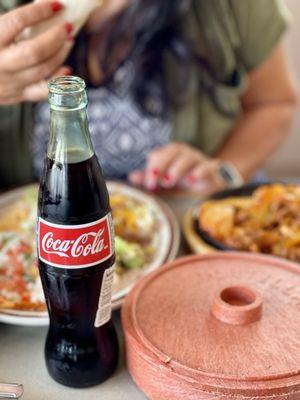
{"points": [[70, 140]]}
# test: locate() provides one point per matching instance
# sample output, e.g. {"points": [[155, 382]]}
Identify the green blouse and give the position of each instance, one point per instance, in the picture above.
{"points": [[232, 36]]}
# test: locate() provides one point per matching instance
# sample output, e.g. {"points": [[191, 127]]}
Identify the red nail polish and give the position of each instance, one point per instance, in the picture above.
{"points": [[167, 178], [56, 6], [153, 188], [69, 27], [68, 71], [192, 179], [155, 172]]}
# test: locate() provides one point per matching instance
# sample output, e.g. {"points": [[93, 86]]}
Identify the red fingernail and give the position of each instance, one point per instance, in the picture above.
{"points": [[68, 71], [56, 6], [155, 172], [152, 187], [69, 27], [191, 178], [167, 177]]}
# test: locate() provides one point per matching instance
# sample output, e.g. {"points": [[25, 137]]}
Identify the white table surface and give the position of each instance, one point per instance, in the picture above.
{"points": [[22, 358], [22, 361]]}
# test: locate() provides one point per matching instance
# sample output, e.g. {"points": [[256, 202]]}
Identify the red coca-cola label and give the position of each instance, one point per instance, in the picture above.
{"points": [[75, 246]]}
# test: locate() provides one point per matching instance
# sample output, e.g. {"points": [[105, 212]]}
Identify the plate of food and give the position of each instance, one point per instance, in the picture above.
{"points": [[256, 218], [147, 235]]}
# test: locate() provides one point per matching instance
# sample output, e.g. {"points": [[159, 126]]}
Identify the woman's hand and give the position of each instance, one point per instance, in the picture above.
{"points": [[25, 65], [179, 165]]}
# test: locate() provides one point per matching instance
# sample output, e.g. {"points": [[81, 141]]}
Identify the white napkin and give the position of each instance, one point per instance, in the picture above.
{"points": [[75, 12]]}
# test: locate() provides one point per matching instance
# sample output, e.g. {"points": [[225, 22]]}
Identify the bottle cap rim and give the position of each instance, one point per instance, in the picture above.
{"points": [[66, 85]]}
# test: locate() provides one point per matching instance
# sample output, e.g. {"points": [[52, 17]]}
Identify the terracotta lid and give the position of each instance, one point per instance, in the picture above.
{"points": [[225, 324]]}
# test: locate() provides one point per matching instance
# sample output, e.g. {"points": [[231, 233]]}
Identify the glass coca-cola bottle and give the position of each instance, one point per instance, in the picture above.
{"points": [[75, 245]]}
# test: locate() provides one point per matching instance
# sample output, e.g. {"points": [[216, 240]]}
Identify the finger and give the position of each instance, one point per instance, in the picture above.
{"points": [[29, 53], [158, 163], [136, 178], [10, 100], [203, 187], [14, 22], [14, 95], [39, 91], [44, 70], [205, 177], [63, 71], [35, 92], [202, 171], [179, 168]]}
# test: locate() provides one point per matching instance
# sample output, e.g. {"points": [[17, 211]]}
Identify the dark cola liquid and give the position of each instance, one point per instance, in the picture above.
{"points": [[77, 354]]}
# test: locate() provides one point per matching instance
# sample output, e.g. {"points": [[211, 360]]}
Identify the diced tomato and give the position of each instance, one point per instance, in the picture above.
{"points": [[16, 264], [25, 296], [25, 247]]}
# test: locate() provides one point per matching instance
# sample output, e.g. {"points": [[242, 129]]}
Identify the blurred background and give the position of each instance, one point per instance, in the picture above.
{"points": [[122, 55], [286, 162]]}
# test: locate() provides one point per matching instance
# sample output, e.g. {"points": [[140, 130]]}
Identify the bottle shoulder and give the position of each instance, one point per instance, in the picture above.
{"points": [[73, 193]]}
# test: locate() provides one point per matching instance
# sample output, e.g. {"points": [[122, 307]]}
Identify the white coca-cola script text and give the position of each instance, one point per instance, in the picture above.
{"points": [[82, 246]]}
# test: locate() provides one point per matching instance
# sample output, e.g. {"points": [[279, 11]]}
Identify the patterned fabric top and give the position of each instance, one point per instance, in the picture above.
{"points": [[121, 133]]}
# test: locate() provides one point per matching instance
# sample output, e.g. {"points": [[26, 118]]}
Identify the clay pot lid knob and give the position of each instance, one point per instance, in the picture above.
{"points": [[237, 305]]}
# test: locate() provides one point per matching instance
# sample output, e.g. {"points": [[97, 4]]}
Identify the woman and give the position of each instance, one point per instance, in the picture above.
{"points": [[185, 93]]}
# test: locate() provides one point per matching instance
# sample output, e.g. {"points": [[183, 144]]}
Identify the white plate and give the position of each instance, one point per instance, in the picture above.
{"points": [[167, 242]]}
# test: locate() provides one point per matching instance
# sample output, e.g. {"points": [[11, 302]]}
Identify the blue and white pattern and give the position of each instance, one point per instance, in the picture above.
{"points": [[121, 133]]}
